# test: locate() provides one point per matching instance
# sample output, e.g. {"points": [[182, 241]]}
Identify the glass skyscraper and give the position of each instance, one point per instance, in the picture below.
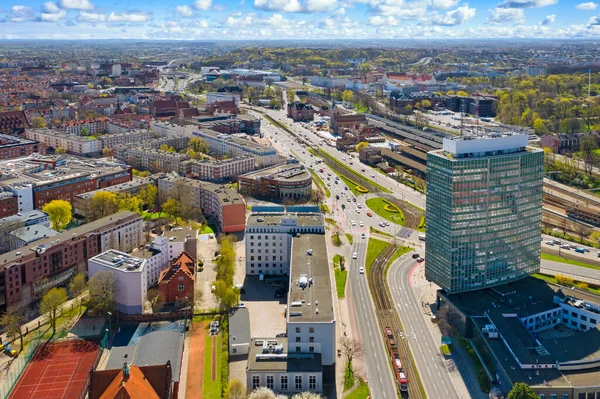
{"points": [[484, 212]]}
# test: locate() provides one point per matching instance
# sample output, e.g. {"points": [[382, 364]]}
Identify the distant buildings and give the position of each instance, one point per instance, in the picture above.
{"points": [[300, 112], [13, 122], [484, 208], [289, 182], [565, 143], [339, 121], [477, 105], [16, 147]]}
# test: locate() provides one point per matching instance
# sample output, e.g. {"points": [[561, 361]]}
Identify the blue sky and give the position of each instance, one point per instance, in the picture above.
{"points": [[298, 19]]}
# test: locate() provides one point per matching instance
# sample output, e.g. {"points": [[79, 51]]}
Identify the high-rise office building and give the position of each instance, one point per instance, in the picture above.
{"points": [[484, 212]]}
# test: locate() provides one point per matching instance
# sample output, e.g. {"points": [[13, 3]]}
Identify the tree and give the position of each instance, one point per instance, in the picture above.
{"points": [[522, 391], [38, 122], [172, 208], [11, 323], [307, 395], [139, 173], [59, 212], [102, 292], [102, 204], [149, 194], [351, 349], [274, 104], [361, 145], [60, 150], [51, 303], [84, 131], [166, 148], [156, 301], [198, 145], [462, 93], [107, 152], [130, 203], [348, 96], [235, 390], [425, 104], [588, 147], [291, 95], [77, 286], [264, 393]]}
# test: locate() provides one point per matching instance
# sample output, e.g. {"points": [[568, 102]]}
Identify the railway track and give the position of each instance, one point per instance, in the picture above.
{"points": [[388, 317]]}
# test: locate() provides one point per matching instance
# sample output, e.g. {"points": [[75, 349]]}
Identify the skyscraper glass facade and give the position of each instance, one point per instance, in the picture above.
{"points": [[484, 214]]}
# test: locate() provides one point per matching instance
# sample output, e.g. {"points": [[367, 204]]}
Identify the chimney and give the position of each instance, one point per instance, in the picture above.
{"points": [[125, 371]]}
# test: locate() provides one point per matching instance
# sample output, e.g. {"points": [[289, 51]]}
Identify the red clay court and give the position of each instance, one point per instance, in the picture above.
{"points": [[58, 370]]}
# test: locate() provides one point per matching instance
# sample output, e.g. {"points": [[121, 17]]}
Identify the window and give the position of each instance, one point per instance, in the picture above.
{"points": [[583, 318], [593, 321], [298, 382], [180, 278], [312, 382], [311, 339], [270, 381], [297, 330], [311, 349], [574, 314], [284, 382], [234, 350], [255, 381], [542, 396], [311, 330], [297, 349], [297, 339], [180, 287]]}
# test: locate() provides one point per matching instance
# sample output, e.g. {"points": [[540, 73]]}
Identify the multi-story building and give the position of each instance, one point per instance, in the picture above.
{"points": [[28, 272], [131, 281], [17, 147], [213, 97], [93, 126], [288, 182], [144, 158], [298, 362], [9, 203], [176, 282], [224, 144], [220, 170], [215, 201], [484, 207], [299, 111], [130, 137], [27, 235], [180, 240], [156, 255]]}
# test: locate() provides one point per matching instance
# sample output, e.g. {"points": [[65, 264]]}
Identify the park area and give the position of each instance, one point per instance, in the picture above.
{"points": [[386, 210]]}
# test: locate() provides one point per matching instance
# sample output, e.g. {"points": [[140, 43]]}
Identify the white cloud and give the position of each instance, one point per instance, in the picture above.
{"points": [[128, 17], [445, 4], [20, 14], [506, 15], [455, 17], [320, 5], [76, 4], [593, 21], [184, 11], [589, 6], [278, 5], [548, 20], [397, 8], [526, 3], [50, 7], [379, 21], [90, 17], [203, 24], [202, 5], [53, 16]]}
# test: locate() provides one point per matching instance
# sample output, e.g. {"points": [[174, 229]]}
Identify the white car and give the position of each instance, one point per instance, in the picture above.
{"points": [[359, 206], [355, 255], [550, 243], [361, 224], [361, 270], [357, 210], [353, 223]]}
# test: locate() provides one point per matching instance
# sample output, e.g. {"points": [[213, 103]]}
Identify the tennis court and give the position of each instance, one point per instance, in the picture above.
{"points": [[58, 370]]}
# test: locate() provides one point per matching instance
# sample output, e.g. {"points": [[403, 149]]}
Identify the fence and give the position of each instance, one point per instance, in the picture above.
{"points": [[16, 367], [99, 351]]}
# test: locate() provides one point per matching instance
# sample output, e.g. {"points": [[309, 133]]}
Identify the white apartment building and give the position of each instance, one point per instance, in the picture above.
{"points": [[130, 273], [123, 237], [179, 240], [70, 142], [218, 170], [156, 255], [225, 144], [269, 239], [130, 137]]}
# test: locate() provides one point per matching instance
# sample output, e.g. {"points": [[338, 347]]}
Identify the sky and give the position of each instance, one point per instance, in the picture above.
{"points": [[298, 19]]}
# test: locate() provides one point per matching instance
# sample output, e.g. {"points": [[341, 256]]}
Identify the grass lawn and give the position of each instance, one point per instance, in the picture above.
{"points": [[552, 280], [319, 182], [350, 238], [482, 377], [421, 226], [400, 251], [377, 205], [154, 215], [557, 258], [373, 250], [348, 378], [208, 229], [210, 388], [340, 282], [361, 391], [383, 233]]}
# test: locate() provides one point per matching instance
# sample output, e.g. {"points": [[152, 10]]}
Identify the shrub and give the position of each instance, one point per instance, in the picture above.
{"points": [[361, 189], [391, 208], [483, 380], [564, 280]]}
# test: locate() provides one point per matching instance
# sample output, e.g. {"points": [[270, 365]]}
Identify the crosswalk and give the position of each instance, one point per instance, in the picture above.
{"points": [[404, 233]]}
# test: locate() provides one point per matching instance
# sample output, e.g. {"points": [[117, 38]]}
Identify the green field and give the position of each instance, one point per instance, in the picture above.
{"points": [[377, 205], [557, 258], [208, 229], [210, 388], [361, 391], [153, 215], [350, 238], [374, 248], [340, 277], [399, 252], [552, 280]]}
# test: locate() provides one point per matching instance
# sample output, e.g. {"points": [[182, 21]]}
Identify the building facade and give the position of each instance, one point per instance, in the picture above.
{"points": [[292, 182], [223, 144], [484, 207], [221, 170], [176, 283]]}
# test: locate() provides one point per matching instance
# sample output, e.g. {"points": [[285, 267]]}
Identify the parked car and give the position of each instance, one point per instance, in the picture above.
{"points": [[369, 214], [419, 259], [415, 256]]}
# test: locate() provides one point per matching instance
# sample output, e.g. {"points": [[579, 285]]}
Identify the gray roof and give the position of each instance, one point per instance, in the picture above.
{"points": [[311, 219], [282, 173], [33, 233], [239, 327], [151, 349], [24, 217], [316, 302], [293, 362]]}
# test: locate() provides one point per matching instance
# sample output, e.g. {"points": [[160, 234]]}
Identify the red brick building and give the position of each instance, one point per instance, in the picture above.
{"points": [[177, 281], [299, 111], [9, 204], [17, 147], [13, 122]]}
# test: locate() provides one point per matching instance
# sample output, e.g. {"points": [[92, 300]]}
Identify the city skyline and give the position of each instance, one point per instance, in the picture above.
{"points": [[299, 19]]}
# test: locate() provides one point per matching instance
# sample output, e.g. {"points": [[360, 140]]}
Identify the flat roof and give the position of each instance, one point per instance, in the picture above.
{"points": [[24, 217], [281, 172], [225, 195], [239, 326], [288, 219], [181, 233], [292, 362], [237, 140], [312, 302], [33, 233], [120, 261]]}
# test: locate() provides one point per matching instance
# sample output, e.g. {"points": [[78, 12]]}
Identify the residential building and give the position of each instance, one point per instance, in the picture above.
{"points": [[239, 332], [128, 137], [9, 203], [287, 182], [27, 272], [13, 122], [131, 280], [156, 255], [16, 147], [223, 144], [176, 282], [300, 112], [180, 240], [565, 143], [484, 208], [132, 382], [93, 126], [72, 143], [219, 170], [213, 97], [143, 158], [218, 202], [339, 121], [26, 235]]}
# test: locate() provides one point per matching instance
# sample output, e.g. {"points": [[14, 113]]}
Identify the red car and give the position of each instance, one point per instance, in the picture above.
{"points": [[369, 214]]}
